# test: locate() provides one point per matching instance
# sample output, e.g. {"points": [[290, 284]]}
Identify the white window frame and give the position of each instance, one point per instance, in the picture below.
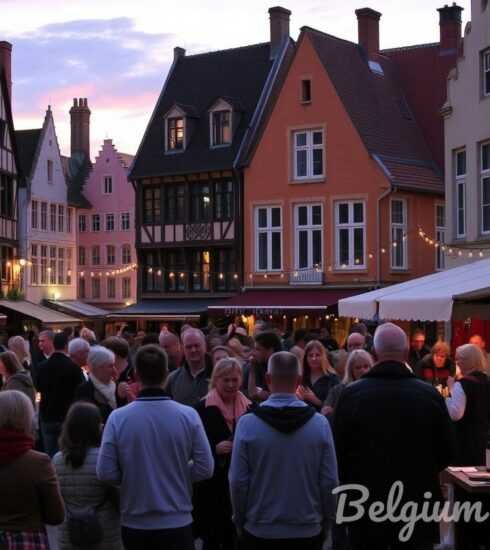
{"points": [[107, 183], [440, 259], [485, 70], [309, 148], [484, 174], [211, 127], [69, 219], [95, 248], [460, 182], [80, 224], [111, 281], [114, 255], [309, 228], [351, 226], [94, 217], [53, 217], [175, 113], [123, 215], [35, 264], [126, 288], [61, 218], [269, 230], [395, 226], [125, 260], [34, 214], [107, 217], [43, 217]]}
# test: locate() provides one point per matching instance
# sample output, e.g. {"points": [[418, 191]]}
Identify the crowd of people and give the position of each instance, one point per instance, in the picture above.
{"points": [[237, 440]]}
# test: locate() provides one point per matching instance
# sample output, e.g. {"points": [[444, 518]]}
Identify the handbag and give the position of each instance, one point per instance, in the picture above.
{"points": [[84, 528]]}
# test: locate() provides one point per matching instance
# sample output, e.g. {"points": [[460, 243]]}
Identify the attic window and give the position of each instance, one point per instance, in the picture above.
{"points": [[376, 68], [220, 128], [175, 134], [306, 91]]}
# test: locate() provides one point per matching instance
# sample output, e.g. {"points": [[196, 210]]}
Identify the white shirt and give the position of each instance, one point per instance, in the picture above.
{"points": [[456, 404]]}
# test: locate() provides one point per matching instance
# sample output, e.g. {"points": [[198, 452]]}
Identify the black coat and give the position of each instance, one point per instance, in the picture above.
{"points": [[88, 392], [321, 388], [390, 426]]}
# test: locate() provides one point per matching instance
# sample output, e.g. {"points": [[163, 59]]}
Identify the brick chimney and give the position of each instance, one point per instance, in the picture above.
{"points": [[279, 18], [178, 53], [450, 27], [368, 30], [80, 127], [6, 63]]}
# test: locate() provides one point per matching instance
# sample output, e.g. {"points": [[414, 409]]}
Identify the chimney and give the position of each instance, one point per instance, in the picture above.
{"points": [[279, 18], [178, 53], [450, 27], [6, 63], [80, 127], [368, 30]]}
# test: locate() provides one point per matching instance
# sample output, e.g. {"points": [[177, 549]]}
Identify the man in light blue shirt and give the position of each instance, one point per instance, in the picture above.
{"points": [[155, 448], [283, 467]]}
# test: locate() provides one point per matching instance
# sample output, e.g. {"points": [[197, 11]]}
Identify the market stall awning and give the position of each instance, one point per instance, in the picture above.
{"points": [[429, 298], [272, 300], [172, 309], [48, 317], [78, 308]]}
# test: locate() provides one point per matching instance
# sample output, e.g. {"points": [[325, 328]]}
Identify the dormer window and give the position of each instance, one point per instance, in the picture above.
{"points": [[221, 128], [175, 134]]}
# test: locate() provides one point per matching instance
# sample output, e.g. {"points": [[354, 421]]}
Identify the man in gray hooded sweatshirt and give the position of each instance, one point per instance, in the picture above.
{"points": [[283, 468]]}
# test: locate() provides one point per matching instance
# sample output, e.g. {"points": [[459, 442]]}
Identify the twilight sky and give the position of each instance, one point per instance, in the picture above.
{"points": [[117, 52]]}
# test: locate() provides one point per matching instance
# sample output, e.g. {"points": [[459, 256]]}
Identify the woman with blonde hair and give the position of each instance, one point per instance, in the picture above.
{"points": [[319, 377], [469, 406], [20, 346], [358, 363], [15, 377], [219, 412], [30, 492]]}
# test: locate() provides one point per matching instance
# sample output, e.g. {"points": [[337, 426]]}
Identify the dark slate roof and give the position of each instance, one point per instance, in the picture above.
{"points": [[197, 81], [170, 306], [27, 143], [77, 169], [376, 104]]}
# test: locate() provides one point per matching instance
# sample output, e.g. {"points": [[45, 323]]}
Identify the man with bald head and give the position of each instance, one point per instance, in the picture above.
{"points": [[171, 344], [190, 383], [355, 341], [391, 427]]}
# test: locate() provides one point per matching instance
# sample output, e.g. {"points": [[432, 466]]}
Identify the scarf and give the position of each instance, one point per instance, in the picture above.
{"points": [[230, 414], [107, 390], [13, 444]]}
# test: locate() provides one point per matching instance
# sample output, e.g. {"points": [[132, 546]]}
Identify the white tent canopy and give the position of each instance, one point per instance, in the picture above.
{"points": [[429, 298]]}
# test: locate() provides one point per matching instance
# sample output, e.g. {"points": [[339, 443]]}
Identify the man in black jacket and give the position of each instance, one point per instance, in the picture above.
{"points": [[57, 380], [391, 428]]}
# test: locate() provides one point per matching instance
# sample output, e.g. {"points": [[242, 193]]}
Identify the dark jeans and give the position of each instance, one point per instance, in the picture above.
{"points": [[158, 539], [249, 542], [396, 546], [50, 433]]}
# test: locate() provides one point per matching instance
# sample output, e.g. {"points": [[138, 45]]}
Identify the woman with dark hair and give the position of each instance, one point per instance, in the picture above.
{"points": [[319, 376], [75, 465], [15, 377]]}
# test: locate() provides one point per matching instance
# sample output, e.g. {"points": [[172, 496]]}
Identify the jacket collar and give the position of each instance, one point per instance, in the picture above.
{"points": [[390, 369], [205, 373]]}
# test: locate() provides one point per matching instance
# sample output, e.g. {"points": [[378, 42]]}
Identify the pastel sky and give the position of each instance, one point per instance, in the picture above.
{"points": [[118, 52]]}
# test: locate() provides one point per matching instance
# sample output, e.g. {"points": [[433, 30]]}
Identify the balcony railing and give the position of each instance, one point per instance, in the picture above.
{"points": [[306, 277]]}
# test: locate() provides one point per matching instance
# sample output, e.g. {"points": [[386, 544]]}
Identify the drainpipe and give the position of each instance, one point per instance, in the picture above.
{"points": [[378, 234]]}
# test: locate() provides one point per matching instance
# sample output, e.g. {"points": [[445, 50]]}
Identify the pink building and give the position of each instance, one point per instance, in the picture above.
{"points": [[105, 233]]}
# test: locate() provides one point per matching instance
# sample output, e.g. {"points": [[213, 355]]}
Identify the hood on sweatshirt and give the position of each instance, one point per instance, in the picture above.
{"points": [[285, 419]]}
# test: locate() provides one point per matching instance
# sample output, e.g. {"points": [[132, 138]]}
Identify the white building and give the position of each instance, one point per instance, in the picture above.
{"points": [[47, 236]]}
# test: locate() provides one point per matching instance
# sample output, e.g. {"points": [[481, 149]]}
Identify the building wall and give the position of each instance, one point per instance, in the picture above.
{"points": [[351, 173], [109, 163], [466, 126], [60, 280]]}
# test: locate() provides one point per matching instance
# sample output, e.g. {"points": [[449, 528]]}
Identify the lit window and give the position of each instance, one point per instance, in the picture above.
{"points": [[350, 235], [175, 134], [308, 150], [268, 238], [221, 127]]}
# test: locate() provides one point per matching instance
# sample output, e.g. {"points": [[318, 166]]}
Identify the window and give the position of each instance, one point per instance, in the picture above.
{"points": [[44, 264], [111, 254], [174, 203], [111, 287], [460, 172], [125, 223], [69, 220], [35, 265], [223, 200], [201, 270], [221, 128], [81, 288], [68, 265], [61, 218], [152, 274], [126, 254], [225, 267], [95, 222], [7, 200], [175, 267], [350, 236], [107, 185], [50, 171], [95, 288], [200, 203], [52, 217], [52, 265], [175, 134], [34, 214], [308, 154], [398, 234], [109, 222], [126, 288], [81, 255], [485, 186], [96, 255], [306, 90], [82, 223], [151, 205], [308, 236], [268, 238], [61, 266], [44, 216], [440, 235], [486, 72]]}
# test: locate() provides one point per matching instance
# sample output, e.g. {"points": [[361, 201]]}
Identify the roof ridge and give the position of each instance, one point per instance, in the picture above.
{"points": [[227, 50], [326, 34], [414, 47]]}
